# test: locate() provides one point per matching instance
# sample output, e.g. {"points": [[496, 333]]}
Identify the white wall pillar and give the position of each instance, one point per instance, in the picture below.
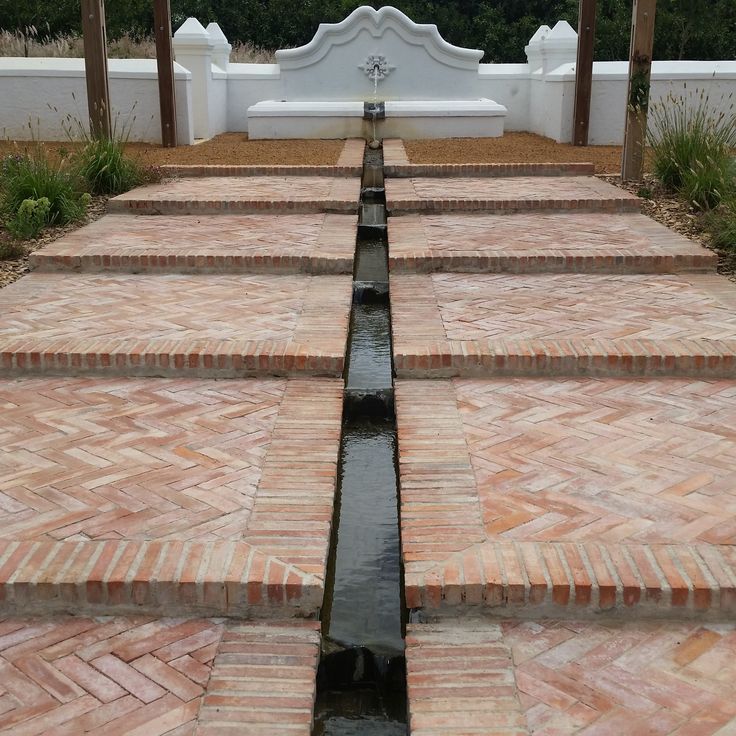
{"points": [[194, 49], [222, 48]]}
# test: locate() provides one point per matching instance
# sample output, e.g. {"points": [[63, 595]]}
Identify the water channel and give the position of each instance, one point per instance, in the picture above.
{"points": [[361, 686]]}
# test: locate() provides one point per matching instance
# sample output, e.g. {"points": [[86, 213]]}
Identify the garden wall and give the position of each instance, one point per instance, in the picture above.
{"points": [[214, 96]]}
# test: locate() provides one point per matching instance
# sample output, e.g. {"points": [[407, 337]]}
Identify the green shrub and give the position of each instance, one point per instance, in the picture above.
{"points": [[106, 169], [31, 217], [35, 177], [692, 147], [721, 223]]}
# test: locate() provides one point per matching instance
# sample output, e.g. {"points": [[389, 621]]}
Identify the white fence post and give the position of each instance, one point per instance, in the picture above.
{"points": [[194, 49]]}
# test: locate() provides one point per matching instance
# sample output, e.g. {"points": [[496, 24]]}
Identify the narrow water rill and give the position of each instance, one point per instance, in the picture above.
{"points": [[362, 678]]}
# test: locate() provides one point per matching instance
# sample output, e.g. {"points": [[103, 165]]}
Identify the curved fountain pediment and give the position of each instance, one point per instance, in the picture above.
{"points": [[422, 65], [377, 23]]}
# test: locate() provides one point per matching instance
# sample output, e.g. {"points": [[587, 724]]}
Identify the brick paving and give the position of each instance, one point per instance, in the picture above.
{"points": [[256, 194], [548, 243], [310, 243], [506, 194], [397, 164], [153, 494], [563, 324], [580, 494], [552, 678], [149, 677], [216, 325]]}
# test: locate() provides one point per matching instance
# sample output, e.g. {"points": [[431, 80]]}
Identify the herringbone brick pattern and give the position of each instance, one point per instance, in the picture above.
{"points": [[508, 194], [153, 493], [146, 677], [572, 242], [315, 243], [586, 492], [104, 676], [563, 324], [201, 195], [563, 677], [204, 325]]}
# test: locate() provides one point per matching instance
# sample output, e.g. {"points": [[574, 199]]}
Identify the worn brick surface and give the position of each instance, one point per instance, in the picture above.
{"points": [[202, 325], [563, 324], [263, 682], [216, 195], [149, 677], [580, 494], [524, 243], [166, 494], [506, 194], [561, 677], [460, 681], [311, 243]]}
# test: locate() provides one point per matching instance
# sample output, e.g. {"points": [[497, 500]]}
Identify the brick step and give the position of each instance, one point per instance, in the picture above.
{"points": [[507, 194], [192, 170], [310, 243], [541, 243], [515, 678], [251, 194], [173, 325], [539, 497], [71, 675], [563, 325], [167, 496], [494, 170]]}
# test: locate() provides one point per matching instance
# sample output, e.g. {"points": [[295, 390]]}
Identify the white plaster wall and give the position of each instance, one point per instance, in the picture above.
{"points": [[610, 85], [50, 90], [247, 85], [218, 101], [509, 85]]}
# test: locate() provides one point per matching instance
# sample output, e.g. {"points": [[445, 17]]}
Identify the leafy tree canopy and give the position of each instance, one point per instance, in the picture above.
{"points": [[686, 29]]}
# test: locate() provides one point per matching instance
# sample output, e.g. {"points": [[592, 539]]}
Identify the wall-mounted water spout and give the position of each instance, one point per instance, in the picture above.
{"points": [[376, 68]]}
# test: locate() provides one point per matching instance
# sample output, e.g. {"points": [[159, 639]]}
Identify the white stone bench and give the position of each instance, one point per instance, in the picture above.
{"points": [[481, 118]]}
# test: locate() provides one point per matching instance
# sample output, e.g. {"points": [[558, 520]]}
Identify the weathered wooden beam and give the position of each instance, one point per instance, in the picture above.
{"points": [[640, 71], [95, 65], [165, 63], [584, 71]]}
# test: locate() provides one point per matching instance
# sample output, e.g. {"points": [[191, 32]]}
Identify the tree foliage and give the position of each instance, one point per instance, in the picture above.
{"points": [[686, 29]]}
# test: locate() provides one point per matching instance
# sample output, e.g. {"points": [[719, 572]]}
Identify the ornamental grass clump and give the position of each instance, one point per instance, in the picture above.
{"points": [[37, 190], [692, 144]]}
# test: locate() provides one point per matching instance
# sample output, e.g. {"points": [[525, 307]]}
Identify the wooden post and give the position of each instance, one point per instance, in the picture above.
{"points": [[584, 71], [95, 65], [165, 63], [637, 103]]}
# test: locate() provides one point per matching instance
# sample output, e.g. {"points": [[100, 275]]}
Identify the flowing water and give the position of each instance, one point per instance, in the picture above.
{"points": [[362, 678]]}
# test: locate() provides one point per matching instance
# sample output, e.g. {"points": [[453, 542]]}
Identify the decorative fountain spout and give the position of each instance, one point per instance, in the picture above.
{"points": [[376, 68]]}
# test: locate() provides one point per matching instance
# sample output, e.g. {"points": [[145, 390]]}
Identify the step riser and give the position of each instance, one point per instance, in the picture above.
{"points": [[615, 264], [600, 366], [192, 264], [175, 207], [586, 206], [407, 171], [169, 365]]}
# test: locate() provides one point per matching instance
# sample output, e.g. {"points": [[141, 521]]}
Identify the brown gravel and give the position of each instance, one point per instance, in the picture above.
{"points": [[228, 148], [511, 148]]}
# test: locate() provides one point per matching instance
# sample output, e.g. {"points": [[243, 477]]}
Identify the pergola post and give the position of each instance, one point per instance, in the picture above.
{"points": [[165, 64], [584, 71], [95, 65], [640, 69]]}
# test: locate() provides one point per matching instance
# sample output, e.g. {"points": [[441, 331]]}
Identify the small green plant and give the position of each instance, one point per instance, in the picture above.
{"points": [[692, 144], [31, 217], [35, 176], [645, 192]]}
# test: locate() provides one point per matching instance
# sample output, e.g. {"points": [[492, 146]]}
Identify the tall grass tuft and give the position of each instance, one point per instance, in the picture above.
{"points": [[36, 177], [692, 146]]}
